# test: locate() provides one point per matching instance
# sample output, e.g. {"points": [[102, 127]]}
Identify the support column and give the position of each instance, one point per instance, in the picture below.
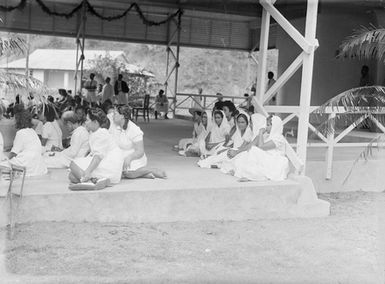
{"points": [[263, 44], [80, 41], [306, 82], [173, 56]]}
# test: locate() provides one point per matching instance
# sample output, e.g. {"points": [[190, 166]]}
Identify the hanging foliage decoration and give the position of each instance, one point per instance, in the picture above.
{"points": [[20, 6], [90, 9]]}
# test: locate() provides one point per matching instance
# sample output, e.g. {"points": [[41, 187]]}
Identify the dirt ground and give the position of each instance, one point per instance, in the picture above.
{"points": [[343, 248]]}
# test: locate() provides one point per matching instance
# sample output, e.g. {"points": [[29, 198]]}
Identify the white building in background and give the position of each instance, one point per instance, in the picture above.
{"points": [[56, 67]]}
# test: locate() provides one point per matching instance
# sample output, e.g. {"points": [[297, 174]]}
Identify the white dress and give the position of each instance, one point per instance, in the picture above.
{"points": [[27, 147], [217, 135], [185, 142], [257, 164], [79, 147], [52, 132], [126, 139], [237, 141], [103, 145]]}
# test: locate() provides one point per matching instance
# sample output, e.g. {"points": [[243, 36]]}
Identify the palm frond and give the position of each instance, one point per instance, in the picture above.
{"points": [[11, 45], [368, 97], [364, 43], [376, 143], [18, 83]]}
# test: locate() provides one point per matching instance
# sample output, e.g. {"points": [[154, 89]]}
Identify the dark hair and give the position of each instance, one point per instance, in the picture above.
{"points": [[120, 76], [270, 74], [49, 113], [51, 99], [108, 79], [97, 114], [218, 112], [126, 112], [161, 92], [230, 105], [23, 119], [244, 116]]}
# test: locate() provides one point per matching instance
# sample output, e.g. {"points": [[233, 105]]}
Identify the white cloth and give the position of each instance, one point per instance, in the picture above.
{"points": [[125, 139], [102, 144], [217, 135], [2, 156], [79, 147], [258, 121], [203, 132], [257, 164], [91, 86], [185, 142], [27, 148], [161, 104], [122, 98], [52, 132], [238, 139], [38, 126]]}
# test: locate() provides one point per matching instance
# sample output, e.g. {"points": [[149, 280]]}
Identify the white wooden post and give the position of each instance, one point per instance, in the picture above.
{"points": [[263, 44], [330, 150], [306, 83]]}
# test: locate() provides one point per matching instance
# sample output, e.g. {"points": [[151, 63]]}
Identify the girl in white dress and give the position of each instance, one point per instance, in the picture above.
{"points": [[242, 136], [266, 160], [26, 150], [51, 132], [106, 158], [204, 129], [257, 121], [79, 146], [217, 135], [129, 138], [185, 142]]}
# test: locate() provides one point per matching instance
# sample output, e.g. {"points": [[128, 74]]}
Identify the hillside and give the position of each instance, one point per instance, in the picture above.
{"points": [[228, 72]]}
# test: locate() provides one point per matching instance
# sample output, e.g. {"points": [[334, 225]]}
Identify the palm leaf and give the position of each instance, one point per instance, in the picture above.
{"points": [[353, 102], [364, 43], [11, 45], [375, 143], [18, 83]]}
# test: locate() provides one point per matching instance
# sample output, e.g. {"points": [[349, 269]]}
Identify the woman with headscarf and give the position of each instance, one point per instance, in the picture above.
{"points": [[242, 136], [51, 132], [105, 162], [266, 160], [204, 129], [129, 138], [26, 150], [217, 135], [197, 129]]}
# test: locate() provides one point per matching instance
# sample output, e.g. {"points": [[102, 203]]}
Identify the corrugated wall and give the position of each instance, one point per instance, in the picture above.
{"points": [[198, 29]]}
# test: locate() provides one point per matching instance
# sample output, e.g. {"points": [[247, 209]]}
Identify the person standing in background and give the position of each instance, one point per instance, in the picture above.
{"points": [[91, 86], [107, 91], [270, 82], [121, 91]]}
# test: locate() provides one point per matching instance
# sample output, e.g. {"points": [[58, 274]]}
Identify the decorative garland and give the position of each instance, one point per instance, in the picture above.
{"points": [[178, 14], [20, 6]]}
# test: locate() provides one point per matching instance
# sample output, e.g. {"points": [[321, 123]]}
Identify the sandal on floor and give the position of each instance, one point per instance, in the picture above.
{"points": [[94, 184]]}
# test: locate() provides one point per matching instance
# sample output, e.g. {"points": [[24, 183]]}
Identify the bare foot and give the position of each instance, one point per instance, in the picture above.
{"points": [[159, 173], [150, 176], [243, 180]]}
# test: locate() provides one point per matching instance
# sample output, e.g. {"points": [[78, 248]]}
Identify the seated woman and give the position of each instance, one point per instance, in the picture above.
{"points": [[185, 142], [129, 138], [161, 104], [266, 160], [26, 150], [217, 135], [204, 129], [242, 136], [105, 162], [51, 132], [79, 146]]}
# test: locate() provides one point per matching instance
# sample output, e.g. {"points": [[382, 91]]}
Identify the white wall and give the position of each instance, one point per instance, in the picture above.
{"points": [[331, 76]]}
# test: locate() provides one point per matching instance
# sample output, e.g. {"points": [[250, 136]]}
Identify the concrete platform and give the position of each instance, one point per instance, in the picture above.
{"points": [[189, 194]]}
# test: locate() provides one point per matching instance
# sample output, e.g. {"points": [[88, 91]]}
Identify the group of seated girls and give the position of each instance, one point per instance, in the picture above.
{"points": [[253, 149], [102, 149]]}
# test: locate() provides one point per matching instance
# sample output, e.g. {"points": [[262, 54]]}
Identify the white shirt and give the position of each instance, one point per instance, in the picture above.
{"points": [[79, 144], [52, 132]]}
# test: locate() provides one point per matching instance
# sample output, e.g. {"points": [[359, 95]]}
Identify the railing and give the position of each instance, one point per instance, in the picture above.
{"points": [[184, 101], [332, 139]]}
